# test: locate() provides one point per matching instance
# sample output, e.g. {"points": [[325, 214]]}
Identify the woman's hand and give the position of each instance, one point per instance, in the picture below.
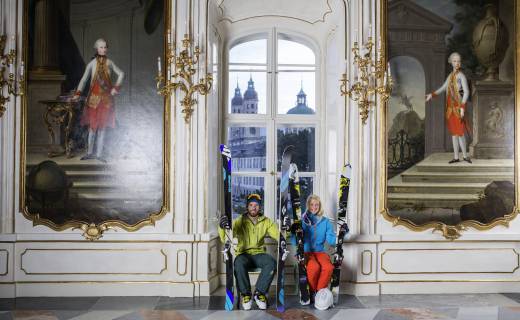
{"points": [[461, 113], [428, 97], [113, 91]]}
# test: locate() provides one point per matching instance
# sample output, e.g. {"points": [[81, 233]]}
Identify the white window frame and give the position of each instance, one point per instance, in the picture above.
{"points": [[271, 120]]}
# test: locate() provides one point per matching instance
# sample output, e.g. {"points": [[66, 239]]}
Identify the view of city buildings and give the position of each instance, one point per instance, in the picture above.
{"points": [[248, 144]]}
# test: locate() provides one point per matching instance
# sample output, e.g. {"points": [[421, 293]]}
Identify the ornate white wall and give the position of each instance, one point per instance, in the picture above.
{"points": [[179, 256]]}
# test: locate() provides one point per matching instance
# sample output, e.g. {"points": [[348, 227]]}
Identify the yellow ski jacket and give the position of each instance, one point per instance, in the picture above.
{"points": [[251, 236]]}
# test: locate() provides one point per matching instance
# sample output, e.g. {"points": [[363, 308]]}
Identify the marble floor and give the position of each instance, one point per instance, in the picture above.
{"points": [[391, 307]]}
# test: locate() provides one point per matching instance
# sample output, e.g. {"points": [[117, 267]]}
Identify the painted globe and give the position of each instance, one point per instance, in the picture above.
{"points": [[47, 182]]}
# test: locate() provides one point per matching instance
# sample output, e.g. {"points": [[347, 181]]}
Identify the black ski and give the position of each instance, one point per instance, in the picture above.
{"points": [[283, 226], [297, 230], [342, 229], [228, 255]]}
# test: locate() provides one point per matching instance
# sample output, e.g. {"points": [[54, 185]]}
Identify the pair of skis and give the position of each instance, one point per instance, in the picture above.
{"points": [[228, 255], [341, 229], [290, 192]]}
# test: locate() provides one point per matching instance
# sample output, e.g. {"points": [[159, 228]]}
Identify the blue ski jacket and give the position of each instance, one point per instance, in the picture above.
{"points": [[316, 231]]}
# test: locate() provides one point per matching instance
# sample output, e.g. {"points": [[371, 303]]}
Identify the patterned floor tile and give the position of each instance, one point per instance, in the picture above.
{"points": [[349, 302], [198, 314], [479, 313], [236, 315], [102, 315], [7, 304], [34, 315], [154, 315], [357, 314], [6, 316], [68, 314], [125, 303], [202, 303], [513, 296], [421, 314], [293, 314], [436, 300], [508, 313], [55, 303]]}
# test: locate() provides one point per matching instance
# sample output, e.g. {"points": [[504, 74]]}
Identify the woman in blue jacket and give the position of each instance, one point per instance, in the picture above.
{"points": [[317, 230]]}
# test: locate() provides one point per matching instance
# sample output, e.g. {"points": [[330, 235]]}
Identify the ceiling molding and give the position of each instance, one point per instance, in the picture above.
{"points": [[310, 12]]}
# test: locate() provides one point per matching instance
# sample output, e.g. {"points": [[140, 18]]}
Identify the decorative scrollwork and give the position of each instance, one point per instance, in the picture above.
{"points": [[182, 79]]}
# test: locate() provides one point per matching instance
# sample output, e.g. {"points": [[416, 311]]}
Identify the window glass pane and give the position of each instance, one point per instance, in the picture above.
{"points": [[291, 52], [246, 67], [306, 189], [296, 68], [296, 93], [241, 186], [249, 52], [248, 148], [303, 140], [247, 92]]}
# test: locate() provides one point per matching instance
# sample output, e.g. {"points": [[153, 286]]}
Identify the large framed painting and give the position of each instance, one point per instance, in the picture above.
{"points": [[95, 133], [450, 134]]}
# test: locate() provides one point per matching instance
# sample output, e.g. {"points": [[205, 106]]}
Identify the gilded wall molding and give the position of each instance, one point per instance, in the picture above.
{"points": [[451, 250], [449, 232], [27, 251]]}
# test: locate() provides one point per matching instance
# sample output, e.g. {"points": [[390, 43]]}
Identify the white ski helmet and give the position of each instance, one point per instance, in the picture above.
{"points": [[323, 299]]}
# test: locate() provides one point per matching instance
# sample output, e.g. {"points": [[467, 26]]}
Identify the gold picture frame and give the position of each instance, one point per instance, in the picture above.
{"points": [[449, 231], [157, 12]]}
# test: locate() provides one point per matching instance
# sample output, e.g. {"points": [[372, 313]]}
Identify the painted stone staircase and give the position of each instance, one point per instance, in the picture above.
{"points": [[125, 183], [434, 183]]}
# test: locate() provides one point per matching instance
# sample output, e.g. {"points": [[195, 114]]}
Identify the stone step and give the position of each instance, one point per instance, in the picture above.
{"points": [[118, 196], [75, 164], [113, 185], [116, 177], [75, 175], [464, 167], [438, 162], [430, 200], [413, 175], [435, 187]]}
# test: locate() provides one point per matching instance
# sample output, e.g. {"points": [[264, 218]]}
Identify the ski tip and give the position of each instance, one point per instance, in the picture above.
{"points": [[230, 303], [228, 307], [289, 148]]}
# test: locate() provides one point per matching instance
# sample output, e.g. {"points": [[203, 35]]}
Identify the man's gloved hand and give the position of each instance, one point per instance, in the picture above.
{"points": [[224, 222], [285, 254]]}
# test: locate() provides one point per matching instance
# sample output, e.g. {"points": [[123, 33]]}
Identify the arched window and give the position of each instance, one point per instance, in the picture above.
{"points": [[272, 90]]}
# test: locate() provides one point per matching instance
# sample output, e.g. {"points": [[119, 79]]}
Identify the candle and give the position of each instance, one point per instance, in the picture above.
{"points": [[389, 70], [21, 69], [187, 17], [379, 44], [370, 30], [346, 66], [355, 36], [169, 36], [2, 17], [385, 81], [159, 65]]}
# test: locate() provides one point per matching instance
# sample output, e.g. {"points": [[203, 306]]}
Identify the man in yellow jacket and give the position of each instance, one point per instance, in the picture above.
{"points": [[251, 228]]}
